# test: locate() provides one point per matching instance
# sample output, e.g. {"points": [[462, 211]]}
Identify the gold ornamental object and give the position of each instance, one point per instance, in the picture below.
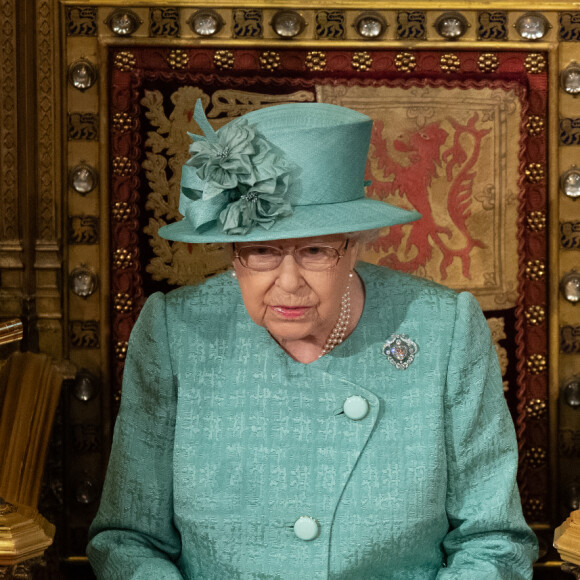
{"points": [[533, 508], [121, 211], [270, 60], [316, 60], [121, 348], [178, 59], [536, 408], [125, 61], [361, 61], [535, 125], [536, 457], [450, 63], [535, 270], [24, 533], [405, 61], [223, 59], [536, 364], [535, 63], [567, 539], [534, 172], [536, 221], [535, 315], [487, 62]]}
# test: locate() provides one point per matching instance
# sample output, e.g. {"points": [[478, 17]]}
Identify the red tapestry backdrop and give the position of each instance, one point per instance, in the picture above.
{"points": [[459, 137]]}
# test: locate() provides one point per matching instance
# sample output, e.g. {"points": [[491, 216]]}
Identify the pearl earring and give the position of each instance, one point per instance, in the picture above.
{"points": [[233, 274]]}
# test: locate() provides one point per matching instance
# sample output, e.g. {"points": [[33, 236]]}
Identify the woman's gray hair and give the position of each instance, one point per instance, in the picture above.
{"points": [[364, 237]]}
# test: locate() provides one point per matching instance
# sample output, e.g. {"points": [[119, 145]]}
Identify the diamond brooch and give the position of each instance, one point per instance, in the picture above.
{"points": [[400, 350]]}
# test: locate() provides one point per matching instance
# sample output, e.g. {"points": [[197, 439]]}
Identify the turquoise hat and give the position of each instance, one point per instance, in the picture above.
{"points": [[287, 171]]}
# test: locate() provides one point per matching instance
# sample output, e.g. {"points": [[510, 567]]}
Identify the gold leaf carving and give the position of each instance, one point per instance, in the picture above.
{"points": [[234, 103], [167, 149], [8, 124], [47, 103]]}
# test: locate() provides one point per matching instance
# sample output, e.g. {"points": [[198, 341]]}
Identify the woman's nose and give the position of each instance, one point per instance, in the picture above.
{"points": [[289, 275]]}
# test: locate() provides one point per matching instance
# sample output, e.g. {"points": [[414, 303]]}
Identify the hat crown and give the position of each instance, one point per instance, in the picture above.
{"points": [[326, 144]]}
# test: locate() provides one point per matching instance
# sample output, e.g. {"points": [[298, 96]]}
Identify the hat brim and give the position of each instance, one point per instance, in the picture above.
{"points": [[306, 221]]}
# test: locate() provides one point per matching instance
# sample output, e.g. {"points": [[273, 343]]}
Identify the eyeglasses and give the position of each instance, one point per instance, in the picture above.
{"points": [[315, 257]]}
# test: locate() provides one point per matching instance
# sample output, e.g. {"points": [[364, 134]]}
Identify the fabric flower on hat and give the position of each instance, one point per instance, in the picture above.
{"points": [[263, 203], [234, 176], [224, 163]]}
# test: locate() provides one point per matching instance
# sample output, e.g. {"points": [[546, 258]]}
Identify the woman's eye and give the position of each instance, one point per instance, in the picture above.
{"points": [[263, 251], [316, 252]]}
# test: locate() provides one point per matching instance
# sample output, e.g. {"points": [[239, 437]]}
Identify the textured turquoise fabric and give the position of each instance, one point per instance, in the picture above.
{"points": [[223, 441], [317, 153]]}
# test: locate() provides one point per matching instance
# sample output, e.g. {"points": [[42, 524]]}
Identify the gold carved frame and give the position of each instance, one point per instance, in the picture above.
{"points": [[38, 249]]}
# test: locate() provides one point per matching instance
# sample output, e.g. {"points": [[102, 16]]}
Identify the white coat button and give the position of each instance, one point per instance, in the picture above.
{"points": [[356, 407], [306, 528]]}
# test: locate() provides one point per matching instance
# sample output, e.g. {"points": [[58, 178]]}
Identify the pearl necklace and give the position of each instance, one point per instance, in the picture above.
{"points": [[339, 331]]}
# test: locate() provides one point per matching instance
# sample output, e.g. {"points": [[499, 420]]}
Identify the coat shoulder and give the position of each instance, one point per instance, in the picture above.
{"points": [[401, 287]]}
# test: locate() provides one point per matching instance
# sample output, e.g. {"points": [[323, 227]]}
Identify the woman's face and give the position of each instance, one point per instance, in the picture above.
{"points": [[294, 303]]}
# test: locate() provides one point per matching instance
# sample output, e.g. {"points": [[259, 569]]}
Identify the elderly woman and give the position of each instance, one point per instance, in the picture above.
{"points": [[307, 417]]}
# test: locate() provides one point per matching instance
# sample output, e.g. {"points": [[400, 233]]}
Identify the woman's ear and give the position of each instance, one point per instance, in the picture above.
{"points": [[354, 251]]}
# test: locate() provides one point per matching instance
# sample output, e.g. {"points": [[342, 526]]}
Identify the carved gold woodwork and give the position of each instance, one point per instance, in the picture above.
{"points": [[11, 259], [47, 229]]}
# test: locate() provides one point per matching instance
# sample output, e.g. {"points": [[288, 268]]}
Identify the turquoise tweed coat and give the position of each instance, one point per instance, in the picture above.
{"points": [[223, 441]]}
